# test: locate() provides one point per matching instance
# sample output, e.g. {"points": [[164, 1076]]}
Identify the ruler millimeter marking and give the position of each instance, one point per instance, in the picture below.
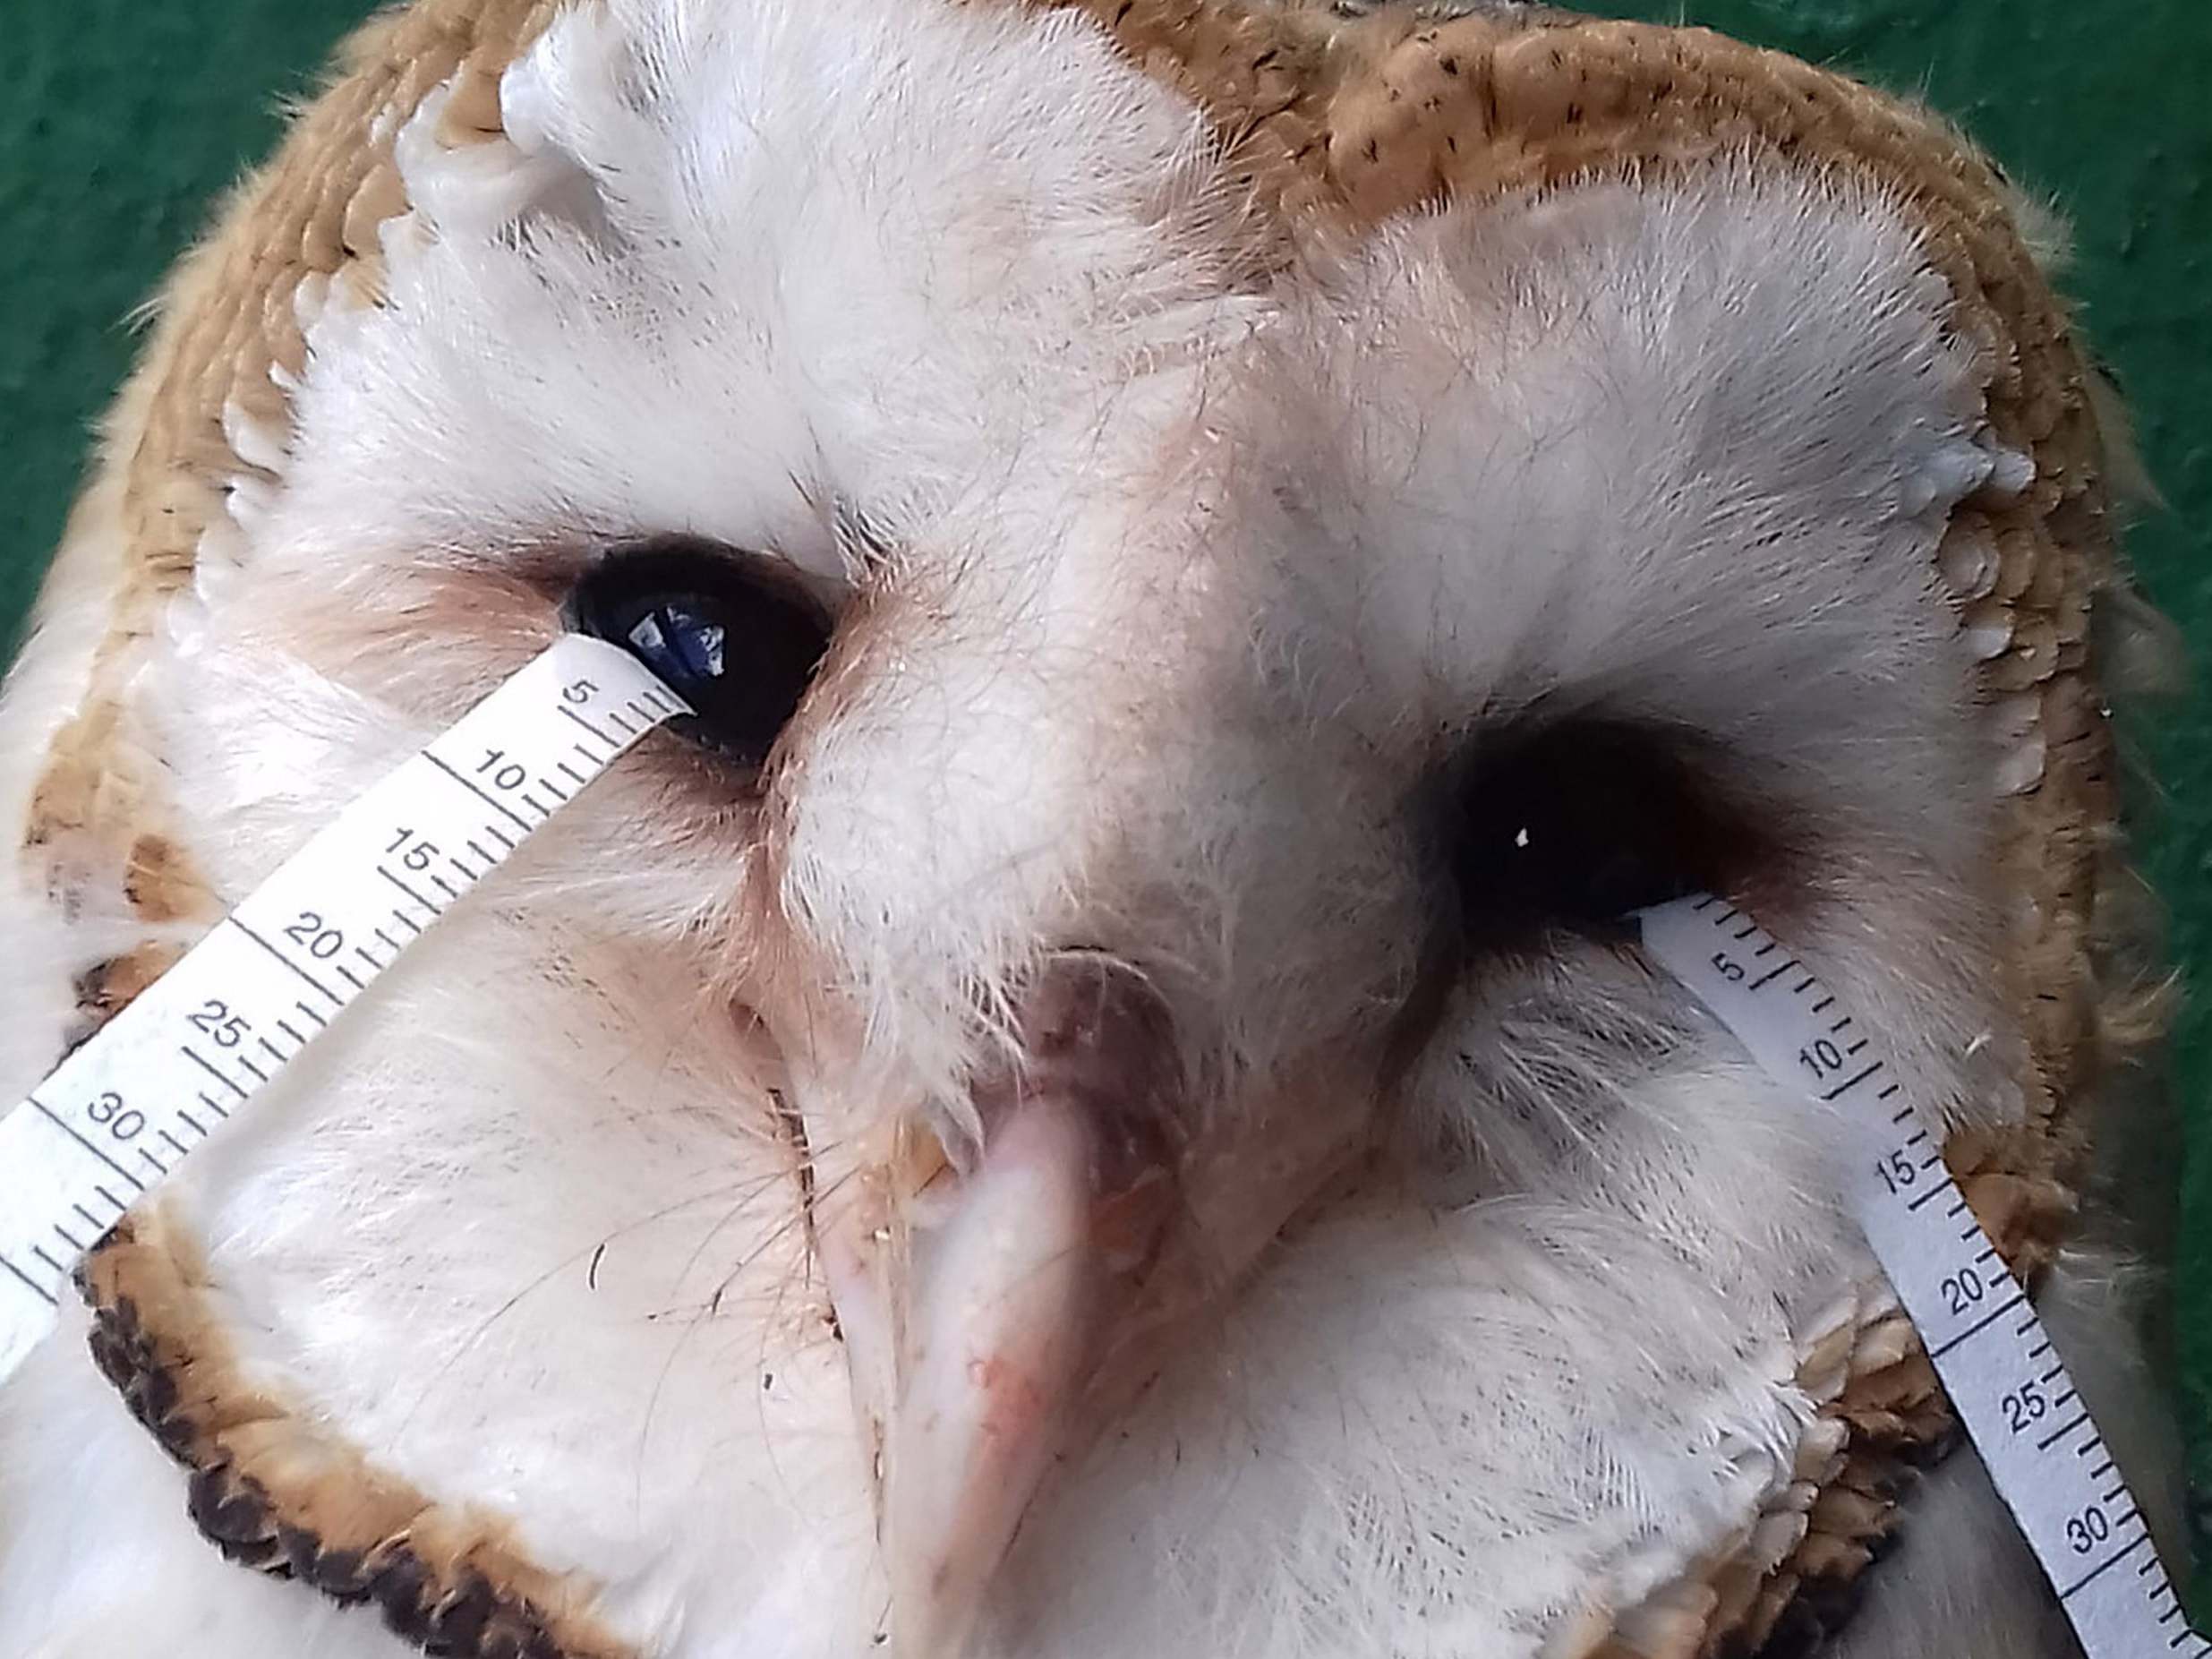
{"points": [[113, 1119], [2007, 1383]]}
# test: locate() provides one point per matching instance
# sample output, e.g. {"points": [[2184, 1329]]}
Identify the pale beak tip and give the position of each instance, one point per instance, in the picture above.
{"points": [[934, 1612], [1002, 1309]]}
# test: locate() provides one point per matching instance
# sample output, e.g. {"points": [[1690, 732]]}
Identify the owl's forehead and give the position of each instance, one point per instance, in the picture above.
{"points": [[769, 273], [959, 293]]}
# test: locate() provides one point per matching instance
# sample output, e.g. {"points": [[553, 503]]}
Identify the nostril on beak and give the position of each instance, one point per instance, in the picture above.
{"points": [[1095, 1032]]}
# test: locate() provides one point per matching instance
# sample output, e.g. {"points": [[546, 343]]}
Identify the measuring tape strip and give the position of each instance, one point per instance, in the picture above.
{"points": [[2006, 1383], [114, 1118]]}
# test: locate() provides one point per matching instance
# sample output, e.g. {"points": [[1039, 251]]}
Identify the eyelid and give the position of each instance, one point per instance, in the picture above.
{"points": [[675, 551]]}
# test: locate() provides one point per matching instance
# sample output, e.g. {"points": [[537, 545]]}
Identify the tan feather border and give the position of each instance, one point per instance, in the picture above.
{"points": [[275, 1492]]}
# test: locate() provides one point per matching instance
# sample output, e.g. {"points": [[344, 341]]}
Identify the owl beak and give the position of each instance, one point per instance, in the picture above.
{"points": [[1006, 1307], [1000, 1306], [977, 1303]]}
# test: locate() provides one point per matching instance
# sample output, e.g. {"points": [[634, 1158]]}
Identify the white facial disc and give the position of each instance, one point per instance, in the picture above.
{"points": [[116, 1117], [113, 1119]]}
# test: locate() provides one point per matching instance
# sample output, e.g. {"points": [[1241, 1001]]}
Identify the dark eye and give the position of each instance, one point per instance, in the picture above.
{"points": [[1575, 824], [724, 629]]}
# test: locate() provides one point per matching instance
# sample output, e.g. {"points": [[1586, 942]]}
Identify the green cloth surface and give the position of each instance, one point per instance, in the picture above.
{"points": [[119, 120]]}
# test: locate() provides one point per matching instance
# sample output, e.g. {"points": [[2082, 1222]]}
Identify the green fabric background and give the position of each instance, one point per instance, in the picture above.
{"points": [[119, 119]]}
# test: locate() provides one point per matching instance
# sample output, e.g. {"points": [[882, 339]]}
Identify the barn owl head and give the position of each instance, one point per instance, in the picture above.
{"points": [[1095, 1100]]}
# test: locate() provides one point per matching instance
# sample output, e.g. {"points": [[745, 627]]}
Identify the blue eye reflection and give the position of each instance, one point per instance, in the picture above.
{"points": [[676, 643]]}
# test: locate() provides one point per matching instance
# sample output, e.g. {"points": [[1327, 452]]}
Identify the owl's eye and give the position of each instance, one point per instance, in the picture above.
{"points": [[721, 627], [1578, 823]]}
